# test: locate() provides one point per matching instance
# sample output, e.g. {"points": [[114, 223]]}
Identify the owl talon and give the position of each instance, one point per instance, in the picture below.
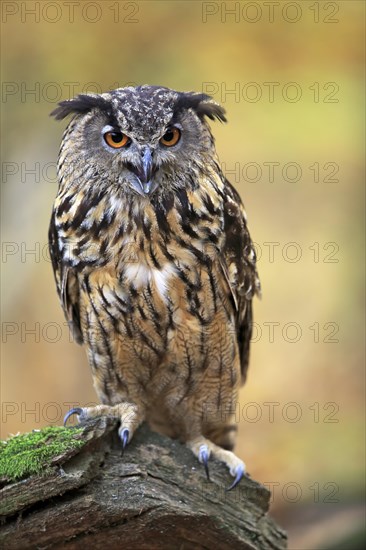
{"points": [[76, 410], [124, 434], [203, 458], [239, 473]]}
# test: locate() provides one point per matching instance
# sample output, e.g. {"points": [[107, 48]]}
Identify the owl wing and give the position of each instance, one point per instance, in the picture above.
{"points": [[67, 284], [238, 264]]}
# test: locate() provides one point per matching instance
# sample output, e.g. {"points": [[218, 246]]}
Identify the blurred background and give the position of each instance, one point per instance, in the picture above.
{"points": [[290, 75]]}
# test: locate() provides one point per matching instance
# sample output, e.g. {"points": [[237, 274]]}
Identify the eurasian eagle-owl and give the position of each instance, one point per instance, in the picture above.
{"points": [[154, 264]]}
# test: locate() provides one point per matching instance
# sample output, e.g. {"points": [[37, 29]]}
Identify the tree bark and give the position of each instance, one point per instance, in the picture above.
{"points": [[156, 496]]}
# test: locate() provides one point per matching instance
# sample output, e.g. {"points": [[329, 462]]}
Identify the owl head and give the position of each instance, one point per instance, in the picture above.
{"points": [[145, 140]]}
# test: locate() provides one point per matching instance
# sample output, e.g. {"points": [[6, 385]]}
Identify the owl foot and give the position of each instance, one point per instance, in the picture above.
{"points": [[124, 434], [203, 457], [202, 448], [128, 413]]}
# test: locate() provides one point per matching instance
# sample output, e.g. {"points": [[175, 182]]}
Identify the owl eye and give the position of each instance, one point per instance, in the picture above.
{"points": [[116, 139], [171, 137]]}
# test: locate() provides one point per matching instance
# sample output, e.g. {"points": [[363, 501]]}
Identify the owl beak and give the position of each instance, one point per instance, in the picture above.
{"points": [[144, 172]]}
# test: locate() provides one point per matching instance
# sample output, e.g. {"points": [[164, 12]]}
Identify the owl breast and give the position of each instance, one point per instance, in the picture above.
{"points": [[142, 276], [164, 336], [162, 311]]}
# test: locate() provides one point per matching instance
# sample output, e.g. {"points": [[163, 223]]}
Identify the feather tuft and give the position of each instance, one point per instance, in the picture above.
{"points": [[81, 104], [202, 104]]}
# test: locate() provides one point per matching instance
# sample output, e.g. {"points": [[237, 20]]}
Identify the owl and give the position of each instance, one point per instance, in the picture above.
{"points": [[154, 265]]}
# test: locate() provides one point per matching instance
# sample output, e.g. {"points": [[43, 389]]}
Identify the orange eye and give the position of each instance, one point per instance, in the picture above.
{"points": [[171, 137], [116, 139]]}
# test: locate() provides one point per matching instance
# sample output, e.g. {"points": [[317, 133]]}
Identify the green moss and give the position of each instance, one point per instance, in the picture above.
{"points": [[32, 453]]}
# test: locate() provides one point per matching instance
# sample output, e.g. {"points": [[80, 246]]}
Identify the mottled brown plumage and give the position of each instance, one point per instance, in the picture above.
{"points": [[154, 264]]}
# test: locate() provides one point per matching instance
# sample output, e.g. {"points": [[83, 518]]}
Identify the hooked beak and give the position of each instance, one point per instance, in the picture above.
{"points": [[144, 172]]}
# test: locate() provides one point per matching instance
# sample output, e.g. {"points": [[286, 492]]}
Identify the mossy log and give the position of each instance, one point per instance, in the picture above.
{"points": [[154, 497]]}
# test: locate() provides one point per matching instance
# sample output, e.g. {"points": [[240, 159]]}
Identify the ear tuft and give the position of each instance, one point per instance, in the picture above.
{"points": [[81, 104], [202, 104], [211, 109]]}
